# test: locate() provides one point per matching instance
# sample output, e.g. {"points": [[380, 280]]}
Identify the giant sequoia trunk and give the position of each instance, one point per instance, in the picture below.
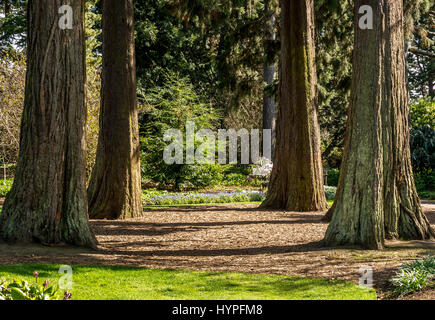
{"points": [[297, 177], [376, 197], [47, 203], [115, 188]]}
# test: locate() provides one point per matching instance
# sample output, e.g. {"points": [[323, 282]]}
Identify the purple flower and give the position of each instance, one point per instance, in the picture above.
{"points": [[46, 283], [67, 295], [36, 274]]}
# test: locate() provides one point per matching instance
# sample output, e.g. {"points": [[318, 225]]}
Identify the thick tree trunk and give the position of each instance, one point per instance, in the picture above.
{"points": [[47, 203], [115, 187], [269, 75], [297, 177], [376, 196]]}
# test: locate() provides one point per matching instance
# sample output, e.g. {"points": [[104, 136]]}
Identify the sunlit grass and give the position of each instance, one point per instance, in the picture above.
{"points": [[121, 283]]}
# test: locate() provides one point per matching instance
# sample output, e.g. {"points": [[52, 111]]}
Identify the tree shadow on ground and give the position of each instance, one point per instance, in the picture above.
{"points": [[312, 246], [153, 229], [173, 243]]}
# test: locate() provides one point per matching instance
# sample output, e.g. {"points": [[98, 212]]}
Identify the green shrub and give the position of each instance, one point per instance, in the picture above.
{"points": [[236, 179], [427, 265], [408, 281], [422, 113], [170, 107], [199, 176], [425, 184], [414, 276], [5, 187], [333, 175], [423, 148], [239, 175], [427, 195], [419, 181], [425, 180], [330, 192]]}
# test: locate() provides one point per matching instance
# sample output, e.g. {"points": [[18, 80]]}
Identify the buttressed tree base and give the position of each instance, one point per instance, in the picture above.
{"points": [[47, 203], [376, 197], [296, 182]]}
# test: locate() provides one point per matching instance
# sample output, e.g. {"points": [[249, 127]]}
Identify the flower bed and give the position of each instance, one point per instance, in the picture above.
{"points": [[22, 290], [165, 198], [162, 198]]}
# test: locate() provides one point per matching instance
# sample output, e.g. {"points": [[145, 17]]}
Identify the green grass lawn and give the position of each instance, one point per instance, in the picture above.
{"points": [[119, 283]]}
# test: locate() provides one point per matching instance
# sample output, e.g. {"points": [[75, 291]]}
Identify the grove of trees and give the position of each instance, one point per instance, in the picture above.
{"points": [[335, 94]]}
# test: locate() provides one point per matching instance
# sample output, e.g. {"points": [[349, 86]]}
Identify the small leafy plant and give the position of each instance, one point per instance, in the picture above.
{"points": [[22, 290], [414, 276], [5, 187], [330, 192]]}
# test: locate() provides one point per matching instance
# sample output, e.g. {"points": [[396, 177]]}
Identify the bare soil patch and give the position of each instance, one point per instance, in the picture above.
{"points": [[233, 238]]}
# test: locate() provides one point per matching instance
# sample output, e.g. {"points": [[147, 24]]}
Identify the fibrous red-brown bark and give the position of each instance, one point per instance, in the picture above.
{"points": [[115, 188], [297, 178], [47, 203], [376, 197]]}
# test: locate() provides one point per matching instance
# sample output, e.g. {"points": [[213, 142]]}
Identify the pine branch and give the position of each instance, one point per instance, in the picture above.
{"points": [[421, 52]]}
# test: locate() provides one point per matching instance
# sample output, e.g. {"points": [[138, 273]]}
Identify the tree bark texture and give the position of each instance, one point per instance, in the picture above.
{"points": [[47, 203], [297, 178], [376, 197], [115, 187]]}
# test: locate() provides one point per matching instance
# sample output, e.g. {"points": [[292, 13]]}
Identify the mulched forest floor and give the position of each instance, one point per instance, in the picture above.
{"points": [[232, 238]]}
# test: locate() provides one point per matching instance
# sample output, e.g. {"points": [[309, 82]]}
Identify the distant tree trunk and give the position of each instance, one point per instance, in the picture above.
{"points": [[431, 84], [115, 186], [376, 196], [7, 8], [269, 75], [47, 203], [3, 159], [297, 177]]}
